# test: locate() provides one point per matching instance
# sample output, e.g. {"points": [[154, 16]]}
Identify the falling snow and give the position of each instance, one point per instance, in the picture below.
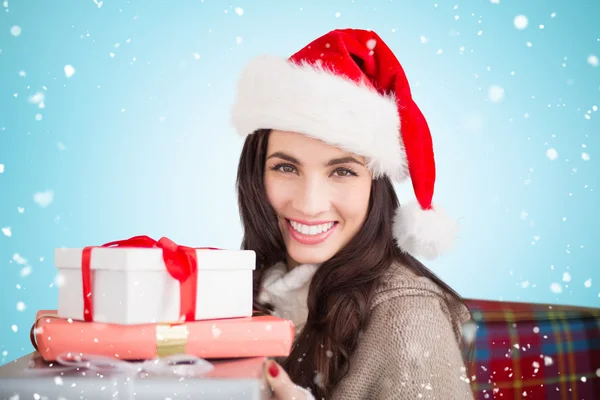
{"points": [[556, 288], [37, 98], [43, 199], [495, 93], [552, 154], [216, 332], [69, 71], [502, 101], [521, 22], [15, 30]]}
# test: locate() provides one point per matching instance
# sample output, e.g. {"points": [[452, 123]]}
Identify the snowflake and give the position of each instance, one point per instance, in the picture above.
{"points": [[521, 22], [37, 98], [495, 93], [15, 30], [43, 199], [556, 288], [216, 332], [552, 154], [7, 231], [69, 71]]}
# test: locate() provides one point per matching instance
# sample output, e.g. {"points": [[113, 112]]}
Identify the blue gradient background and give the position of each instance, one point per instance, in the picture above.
{"points": [[140, 143]]}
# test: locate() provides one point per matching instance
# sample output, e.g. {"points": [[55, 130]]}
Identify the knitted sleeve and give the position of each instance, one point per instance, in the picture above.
{"points": [[422, 354], [410, 350]]}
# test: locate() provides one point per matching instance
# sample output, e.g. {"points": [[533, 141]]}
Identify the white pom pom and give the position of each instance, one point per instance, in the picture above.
{"points": [[424, 233]]}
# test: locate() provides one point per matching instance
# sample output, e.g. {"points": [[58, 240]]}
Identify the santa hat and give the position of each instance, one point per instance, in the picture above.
{"points": [[347, 89]]}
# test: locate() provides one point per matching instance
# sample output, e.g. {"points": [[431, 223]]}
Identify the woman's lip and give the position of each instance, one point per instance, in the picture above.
{"points": [[309, 223], [309, 239]]}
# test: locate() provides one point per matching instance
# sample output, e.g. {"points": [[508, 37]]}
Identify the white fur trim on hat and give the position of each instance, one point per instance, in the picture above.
{"points": [[424, 233], [274, 93]]}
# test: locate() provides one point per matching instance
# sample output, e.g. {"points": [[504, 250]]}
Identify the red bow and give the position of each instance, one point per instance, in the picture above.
{"points": [[180, 261]]}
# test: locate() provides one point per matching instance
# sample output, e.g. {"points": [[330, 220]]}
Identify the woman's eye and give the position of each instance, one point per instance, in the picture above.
{"points": [[344, 172], [284, 168]]}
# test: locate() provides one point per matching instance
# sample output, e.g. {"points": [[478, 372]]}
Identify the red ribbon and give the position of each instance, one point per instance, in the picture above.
{"points": [[180, 261]]}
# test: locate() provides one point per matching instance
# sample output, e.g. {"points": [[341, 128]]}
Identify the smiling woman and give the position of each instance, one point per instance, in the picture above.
{"points": [[335, 252], [319, 193]]}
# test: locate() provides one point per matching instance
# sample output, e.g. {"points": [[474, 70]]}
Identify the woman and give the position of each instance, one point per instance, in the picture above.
{"points": [[328, 132]]}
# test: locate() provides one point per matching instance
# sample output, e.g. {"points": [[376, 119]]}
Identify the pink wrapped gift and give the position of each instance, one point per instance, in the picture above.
{"points": [[255, 336]]}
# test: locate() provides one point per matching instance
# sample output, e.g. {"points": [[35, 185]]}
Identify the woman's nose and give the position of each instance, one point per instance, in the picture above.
{"points": [[311, 198]]}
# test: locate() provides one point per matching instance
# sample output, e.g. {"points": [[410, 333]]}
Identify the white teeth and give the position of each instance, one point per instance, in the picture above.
{"points": [[311, 229]]}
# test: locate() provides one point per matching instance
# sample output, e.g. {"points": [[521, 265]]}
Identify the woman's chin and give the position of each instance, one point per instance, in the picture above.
{"points": [[302, 254]]}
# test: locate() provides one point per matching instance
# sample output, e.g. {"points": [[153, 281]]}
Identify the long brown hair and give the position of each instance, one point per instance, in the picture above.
{"points": [[341, 289]]}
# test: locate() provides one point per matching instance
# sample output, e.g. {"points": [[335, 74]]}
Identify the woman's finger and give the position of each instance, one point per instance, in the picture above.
{"points": [[282, 386]]}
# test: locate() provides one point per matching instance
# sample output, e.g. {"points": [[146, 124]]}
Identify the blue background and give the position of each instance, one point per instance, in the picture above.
{"points": [[140, 143]]}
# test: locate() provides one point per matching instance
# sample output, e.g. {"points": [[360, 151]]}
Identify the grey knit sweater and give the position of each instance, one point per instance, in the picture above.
{"points": [[409, 350]]}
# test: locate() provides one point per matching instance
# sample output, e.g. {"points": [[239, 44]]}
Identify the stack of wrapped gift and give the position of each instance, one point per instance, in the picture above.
{"points": [[151, 316]]}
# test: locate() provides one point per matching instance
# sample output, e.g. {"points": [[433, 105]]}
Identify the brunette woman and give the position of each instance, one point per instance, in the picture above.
{"points": [[328, 131]]}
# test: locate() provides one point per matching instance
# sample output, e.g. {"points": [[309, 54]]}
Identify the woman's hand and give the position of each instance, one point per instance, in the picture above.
{"points": [[282, 386]]}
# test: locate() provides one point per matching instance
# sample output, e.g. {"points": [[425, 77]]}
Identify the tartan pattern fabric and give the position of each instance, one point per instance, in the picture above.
{"points": [[534, 351]]}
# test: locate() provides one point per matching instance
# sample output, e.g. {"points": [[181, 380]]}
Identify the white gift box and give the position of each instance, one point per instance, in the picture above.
{"points": [[133, 285]]}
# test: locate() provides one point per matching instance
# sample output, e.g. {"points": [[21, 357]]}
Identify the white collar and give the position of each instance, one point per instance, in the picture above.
{"points": [[287, 291]]}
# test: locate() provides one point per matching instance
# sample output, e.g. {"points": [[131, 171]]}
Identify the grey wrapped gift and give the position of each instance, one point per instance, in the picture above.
{"points": [[30, 377]]}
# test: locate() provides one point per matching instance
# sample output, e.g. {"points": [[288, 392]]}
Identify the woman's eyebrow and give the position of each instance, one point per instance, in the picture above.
{"points": [[344, 160], [285, 156], [334, 161]]}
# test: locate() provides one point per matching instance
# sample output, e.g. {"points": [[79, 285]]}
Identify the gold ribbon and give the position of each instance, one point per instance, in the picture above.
{"points": [[171, 339]]}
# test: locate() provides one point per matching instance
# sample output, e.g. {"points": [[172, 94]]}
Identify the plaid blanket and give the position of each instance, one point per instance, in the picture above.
{"points": [[534, 351]]}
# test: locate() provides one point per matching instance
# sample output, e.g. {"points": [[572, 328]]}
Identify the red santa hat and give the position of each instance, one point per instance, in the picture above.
{"points": [[347, 89]]}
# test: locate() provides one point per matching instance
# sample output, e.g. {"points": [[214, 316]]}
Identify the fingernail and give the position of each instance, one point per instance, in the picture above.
{"points": [[273, 370]]}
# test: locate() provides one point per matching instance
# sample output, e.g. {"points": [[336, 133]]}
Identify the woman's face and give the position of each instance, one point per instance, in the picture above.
{"points": [[319, 192]]}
